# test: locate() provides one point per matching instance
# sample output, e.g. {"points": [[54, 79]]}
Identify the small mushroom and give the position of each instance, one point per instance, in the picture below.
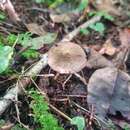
{"points": [[67, 58]]}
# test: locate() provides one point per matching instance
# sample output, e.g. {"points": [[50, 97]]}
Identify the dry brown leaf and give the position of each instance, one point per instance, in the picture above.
{"points": [[96, 60], [35, 29], [108, 48], [125, 38], [61, 18], [96, 47], [107, 6], [7, 126], [109, 92], [122, 56]]}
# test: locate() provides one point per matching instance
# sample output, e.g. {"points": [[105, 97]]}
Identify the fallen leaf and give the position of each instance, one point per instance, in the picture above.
{"points": [[107, 6], [7, 127], [124, 48], [38, 42], [96, 47], [108, 48], [35, 29], [96, 60], [122, 123], [125, 38], [109, 92], [61, 18]]}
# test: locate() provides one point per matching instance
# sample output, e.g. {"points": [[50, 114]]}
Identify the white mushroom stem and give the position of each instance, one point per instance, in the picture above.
{"points": [[13, 92]]}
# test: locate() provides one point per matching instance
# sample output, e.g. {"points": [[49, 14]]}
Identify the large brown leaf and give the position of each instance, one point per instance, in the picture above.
{"points": [[109, 92], [96, 60]]}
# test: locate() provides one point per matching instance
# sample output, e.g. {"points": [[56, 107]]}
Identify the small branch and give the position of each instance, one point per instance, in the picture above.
{"points": [[72, 34], [60, 113], [17, 89]]}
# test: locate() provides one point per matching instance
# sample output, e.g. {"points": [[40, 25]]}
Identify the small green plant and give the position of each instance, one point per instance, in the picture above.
{"points": [[21, 38], [41, 113], [6, 53], [30, 53], [103, 14], [2, 16], [82, 5], [79, 122], [39, 1], [50, 3], [2, 122], [11, 39], [126, 127], [98, 26], [18, 127]]}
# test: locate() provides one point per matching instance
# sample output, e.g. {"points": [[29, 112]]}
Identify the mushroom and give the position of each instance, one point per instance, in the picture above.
{"points": [[67, 58]]}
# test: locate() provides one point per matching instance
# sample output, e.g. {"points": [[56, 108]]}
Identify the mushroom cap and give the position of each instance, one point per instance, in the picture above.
{"points": [[66, 58]]}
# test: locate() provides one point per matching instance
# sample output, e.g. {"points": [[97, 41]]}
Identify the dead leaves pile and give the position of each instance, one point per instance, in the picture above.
{"points": [[109, 87]]}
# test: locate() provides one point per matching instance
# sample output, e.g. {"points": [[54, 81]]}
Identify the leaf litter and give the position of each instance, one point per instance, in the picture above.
{"points": [[107, 82]]}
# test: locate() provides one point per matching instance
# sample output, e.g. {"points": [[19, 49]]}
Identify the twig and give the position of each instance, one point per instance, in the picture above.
{"points": [[7, 126], [11, 94], [72, 34], [95, 117], [63, 85], [81, 78], [59, 112]]}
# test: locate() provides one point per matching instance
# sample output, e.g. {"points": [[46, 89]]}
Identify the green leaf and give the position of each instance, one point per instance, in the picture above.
{"points": [[30, 54], [82, 5], [99, 27], [56, 3], [105, 15], [79, 121], [37, 43], [2, 122], [18, 127], [2, 16], [6, 53], [84, 31], [11, 39], [39, 1], [108, 17]]}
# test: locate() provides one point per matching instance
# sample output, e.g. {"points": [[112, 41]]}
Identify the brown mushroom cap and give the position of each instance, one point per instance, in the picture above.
{"points": [[67, 57]]}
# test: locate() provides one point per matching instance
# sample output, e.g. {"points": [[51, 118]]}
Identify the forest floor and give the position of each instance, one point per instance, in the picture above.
{"points": [[35, 94]]}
